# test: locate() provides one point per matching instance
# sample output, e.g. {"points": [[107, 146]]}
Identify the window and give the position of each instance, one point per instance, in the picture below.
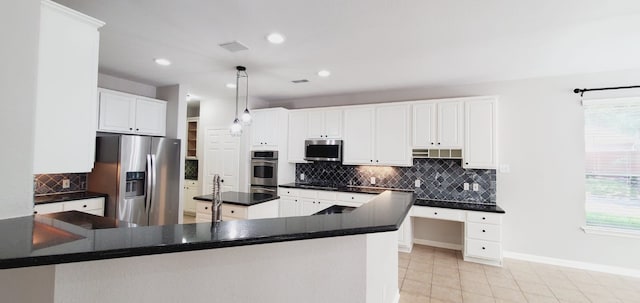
{"points": [[612, 146]]}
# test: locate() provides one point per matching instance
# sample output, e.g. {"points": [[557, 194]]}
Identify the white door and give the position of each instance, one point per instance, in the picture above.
{"points": [[333, 124], [221, 157], [315, 124], [358, 136], [392, 136], [151, 117], [424, 125], [297, 135], [449, 125], [480, 134], [117, 112]]}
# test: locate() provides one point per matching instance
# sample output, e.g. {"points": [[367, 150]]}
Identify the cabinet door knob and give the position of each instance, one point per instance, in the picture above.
{"points": [[137, 129], [352, 198], [377, 161], [431, 143], [438, 143], [435, 213], [483, 218], [483, 248], [35, 212], [84, 206], [371, 160], [484, 231], [130, 128], [466, 163], [233, 211], [206, 208]]}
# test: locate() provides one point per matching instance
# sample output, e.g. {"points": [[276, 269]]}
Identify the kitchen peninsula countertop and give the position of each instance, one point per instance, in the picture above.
{"points": [[241, 198], [63, 197], [490, 208], [20, 245], [343, 188]]}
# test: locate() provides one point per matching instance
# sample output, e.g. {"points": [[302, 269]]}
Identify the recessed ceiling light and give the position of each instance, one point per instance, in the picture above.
{"points": [[230, 85], [324, 73], [275, 38], [162, 61]]}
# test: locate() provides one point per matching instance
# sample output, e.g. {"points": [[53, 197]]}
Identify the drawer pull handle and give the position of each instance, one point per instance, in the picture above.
{"points": [[483, 218], [85, 206], [483, 248], [233, 211], [352, 198], [206, 208], [35, 212], [484, 231], [435, 213]]}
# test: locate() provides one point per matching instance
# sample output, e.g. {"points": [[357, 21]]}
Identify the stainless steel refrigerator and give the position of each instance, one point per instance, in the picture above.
{"points": [[141, 175]]}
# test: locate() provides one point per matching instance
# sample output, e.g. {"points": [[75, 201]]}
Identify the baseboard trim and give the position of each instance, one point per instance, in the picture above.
{"points": [[573, 264], [396, 299], [438, 244]]}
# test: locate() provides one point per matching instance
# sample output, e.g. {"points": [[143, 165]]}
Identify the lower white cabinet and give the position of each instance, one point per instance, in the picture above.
{"points": [[305, 202], [191, 189], [93, 206], [482, 232], [232, 212]]}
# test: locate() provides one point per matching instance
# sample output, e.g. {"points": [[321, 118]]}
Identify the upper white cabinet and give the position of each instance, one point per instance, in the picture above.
{"points": [[377, 136], [324, 124], [66, 93], [269, 129], [438, 125], [297, 135], [480, 146], [130, 114]]}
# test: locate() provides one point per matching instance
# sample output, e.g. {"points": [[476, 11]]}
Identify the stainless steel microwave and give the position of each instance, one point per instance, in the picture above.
{"points": [[323, 150]]}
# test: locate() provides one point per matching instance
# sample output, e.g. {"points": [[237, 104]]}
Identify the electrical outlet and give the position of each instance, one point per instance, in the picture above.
{"points": [[373, 180], [466, 186], [476, 187], [418, 183], [66, 183], [301, 177]]}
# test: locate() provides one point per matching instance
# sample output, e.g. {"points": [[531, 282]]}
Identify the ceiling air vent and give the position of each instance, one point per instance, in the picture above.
{"points": [[300, 81], [234, 46]]}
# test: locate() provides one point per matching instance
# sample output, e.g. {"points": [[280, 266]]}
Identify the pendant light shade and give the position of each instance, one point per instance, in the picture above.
{"points": [[236, 127]]}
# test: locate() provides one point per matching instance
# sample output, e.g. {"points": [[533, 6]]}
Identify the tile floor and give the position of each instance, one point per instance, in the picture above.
{"points": [[430, 274]]}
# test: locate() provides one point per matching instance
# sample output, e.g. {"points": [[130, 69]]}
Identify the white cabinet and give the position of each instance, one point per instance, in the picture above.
{"points": [[438, 125], [93, 206], [191, 189], [230, 212], [304, 202], [480, 147], [358, 147], [377, 136], [130, 114], [289, 207], [269, 129], [324, 124], [297, 135], [65, 107], [405, 235]]}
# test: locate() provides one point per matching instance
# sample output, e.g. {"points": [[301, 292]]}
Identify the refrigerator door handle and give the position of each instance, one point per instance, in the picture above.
{"points": [[153, 182], [147, 199]]}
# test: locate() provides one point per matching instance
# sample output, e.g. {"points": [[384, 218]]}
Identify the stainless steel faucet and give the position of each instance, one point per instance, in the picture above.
{"points": [[216, 202]]}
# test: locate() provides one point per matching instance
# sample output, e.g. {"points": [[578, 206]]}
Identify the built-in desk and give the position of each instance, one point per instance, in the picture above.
{"points": [[482, 233]]}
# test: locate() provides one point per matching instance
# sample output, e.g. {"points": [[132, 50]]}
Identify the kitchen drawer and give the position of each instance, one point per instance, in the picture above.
{"points": [[306, 193], [483, 231], [191, 183], [234, 211], [203, 207], [47, 208], [362, 198], [84, 205], [483, 217], [483, 249], [326, 195], [437, 213], [289, 192]]}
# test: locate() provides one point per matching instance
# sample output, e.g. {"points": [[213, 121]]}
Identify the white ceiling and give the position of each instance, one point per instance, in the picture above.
{"points": [[366, 44]]}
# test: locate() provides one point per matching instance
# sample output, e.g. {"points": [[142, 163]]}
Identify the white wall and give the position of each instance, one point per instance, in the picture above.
{"points": [[127, 86], [541, 138], [176, 97], [18, 80]]}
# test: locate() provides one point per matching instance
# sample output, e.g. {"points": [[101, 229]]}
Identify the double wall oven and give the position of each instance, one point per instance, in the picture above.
{"points": [[264, 172]]}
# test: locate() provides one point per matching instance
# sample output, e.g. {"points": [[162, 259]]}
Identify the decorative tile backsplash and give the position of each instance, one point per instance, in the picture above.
{"points": [[442, 179], [52, 183], [191, 169]]}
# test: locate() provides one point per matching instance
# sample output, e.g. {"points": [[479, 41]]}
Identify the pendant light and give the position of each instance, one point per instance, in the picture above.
{"points": [[246, 116], [236, 127]]}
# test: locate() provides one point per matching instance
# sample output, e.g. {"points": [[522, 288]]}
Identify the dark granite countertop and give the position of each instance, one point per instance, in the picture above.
{"points": [[241, 198], [343, 188], [66, 197], [21, 243], [491, 208]]}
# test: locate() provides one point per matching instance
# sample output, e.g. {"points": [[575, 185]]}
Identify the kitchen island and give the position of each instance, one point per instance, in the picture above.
{"points": [[350, 257]]}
